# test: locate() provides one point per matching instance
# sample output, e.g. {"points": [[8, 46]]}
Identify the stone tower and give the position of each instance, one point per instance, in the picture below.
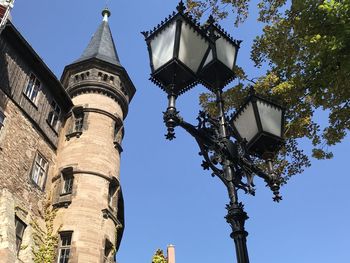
{"points": [[87, 193]]}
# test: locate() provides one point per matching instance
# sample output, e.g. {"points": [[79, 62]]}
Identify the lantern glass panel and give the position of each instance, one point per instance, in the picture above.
{"points": [[162, 46], [245, 123], [192, 47], [271, 118], [226, 52], [209, 58]]}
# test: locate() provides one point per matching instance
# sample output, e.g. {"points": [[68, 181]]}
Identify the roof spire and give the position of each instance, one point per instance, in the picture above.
{"points": [[106, 13], [101, 45]]}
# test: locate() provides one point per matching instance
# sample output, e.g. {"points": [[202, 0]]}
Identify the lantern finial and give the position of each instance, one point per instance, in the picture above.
{"points": [[211, 20], [252, 91], [181, 7]]}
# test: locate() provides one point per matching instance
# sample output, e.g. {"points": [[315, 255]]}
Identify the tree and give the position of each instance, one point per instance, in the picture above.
{"points": [[159, 257], [306, 46]]}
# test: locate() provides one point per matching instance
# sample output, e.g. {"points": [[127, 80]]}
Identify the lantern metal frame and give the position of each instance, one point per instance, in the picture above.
{"points": [[230, 161]]}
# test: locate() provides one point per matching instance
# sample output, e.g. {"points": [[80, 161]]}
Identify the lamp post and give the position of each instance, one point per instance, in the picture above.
{"points": [[182, 54]]}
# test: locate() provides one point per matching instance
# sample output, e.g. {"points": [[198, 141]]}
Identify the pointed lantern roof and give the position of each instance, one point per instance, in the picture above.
{"points": [[102, 45]]}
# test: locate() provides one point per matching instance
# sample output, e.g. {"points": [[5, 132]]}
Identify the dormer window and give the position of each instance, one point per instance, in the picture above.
{"points": [[77, 122], [112, 190], [118, 136], [108, 251], [54, 115], [32, 89], [67, 186], [63, 193]]}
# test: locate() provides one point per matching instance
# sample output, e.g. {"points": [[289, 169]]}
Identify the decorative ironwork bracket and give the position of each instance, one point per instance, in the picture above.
{"points": [[217, 151]]}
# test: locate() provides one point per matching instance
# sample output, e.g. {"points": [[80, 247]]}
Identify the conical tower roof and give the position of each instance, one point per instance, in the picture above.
{"points": [[102, 45]]}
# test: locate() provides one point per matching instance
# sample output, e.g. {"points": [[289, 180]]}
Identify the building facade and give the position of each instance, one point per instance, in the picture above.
{"points": [[60, 146]]}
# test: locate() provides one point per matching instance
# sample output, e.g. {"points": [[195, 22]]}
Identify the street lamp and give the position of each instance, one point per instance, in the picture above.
{"points": [[182, 54]]}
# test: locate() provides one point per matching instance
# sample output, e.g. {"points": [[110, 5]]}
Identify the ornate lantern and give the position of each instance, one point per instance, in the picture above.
{"points": [[176, 49], [260, 123], [220, 59]]}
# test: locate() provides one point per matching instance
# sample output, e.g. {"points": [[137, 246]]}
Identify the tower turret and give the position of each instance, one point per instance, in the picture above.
{"points": [[87, 191]]}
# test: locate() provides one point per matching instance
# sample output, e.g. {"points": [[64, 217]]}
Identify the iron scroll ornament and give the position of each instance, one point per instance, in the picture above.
{"points": [[218, 152]]}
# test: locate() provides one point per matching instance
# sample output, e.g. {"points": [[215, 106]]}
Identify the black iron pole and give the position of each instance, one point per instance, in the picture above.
{"points": [[236, 215]]}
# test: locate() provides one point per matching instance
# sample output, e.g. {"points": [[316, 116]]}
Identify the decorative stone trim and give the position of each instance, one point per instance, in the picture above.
{"points": [[114, 117], [106, 177], [109, 91], [110, 213]]}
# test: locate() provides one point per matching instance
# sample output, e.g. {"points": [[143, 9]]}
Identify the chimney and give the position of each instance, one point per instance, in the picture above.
{"points": [[171, 254]]}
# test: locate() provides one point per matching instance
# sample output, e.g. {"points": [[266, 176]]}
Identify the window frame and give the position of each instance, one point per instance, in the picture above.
{"points": [[19, 236], [64, 248], [67, 178], [30, 87], [44, 169]]}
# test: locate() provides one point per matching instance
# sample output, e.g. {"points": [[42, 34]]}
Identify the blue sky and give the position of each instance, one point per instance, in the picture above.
{"points": [[169, 199]]}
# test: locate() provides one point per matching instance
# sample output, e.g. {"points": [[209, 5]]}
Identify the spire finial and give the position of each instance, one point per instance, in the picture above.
{"points": [[106, 13]]}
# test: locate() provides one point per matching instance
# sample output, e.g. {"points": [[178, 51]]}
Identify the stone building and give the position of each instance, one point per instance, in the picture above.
{"points": [[60, 146]]}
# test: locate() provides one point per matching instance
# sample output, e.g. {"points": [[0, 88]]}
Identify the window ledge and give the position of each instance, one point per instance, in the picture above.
{"points": [[52, 128], [73, 134], [64, 200], [35, 185], [60, 203], [32, 102]]}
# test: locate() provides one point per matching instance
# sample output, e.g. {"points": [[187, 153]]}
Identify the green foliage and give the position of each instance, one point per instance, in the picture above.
{"points": [[45, 241], [306, 45], [159, 257], [219, 8]]}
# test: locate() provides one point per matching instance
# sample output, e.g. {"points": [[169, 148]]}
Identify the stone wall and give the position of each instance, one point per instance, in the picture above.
{"points": [[19, 143]]}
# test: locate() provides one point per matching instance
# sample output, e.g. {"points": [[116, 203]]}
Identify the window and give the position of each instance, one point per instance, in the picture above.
{"points": [[78, 118], [54, 115], [2, 119], [118, 136], [67, 186], [112, 189], [64, 247], [78, 122], [39, 170], [108, 250], [32, 88], [20, 227]]}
